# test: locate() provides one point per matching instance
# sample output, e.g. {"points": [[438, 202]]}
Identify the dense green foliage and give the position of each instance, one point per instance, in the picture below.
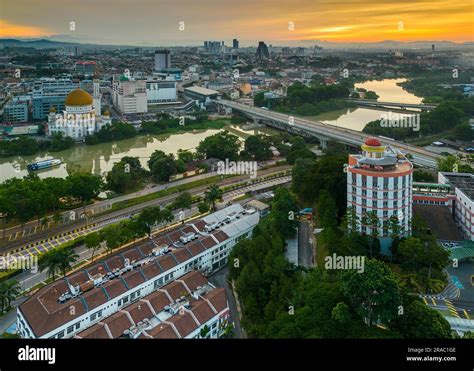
{"points": [[451, 164], [110, 133], [306, 100], [32, 197], [125, 175], [25, 146], [257, 147], [448, 115], [223, 145], [280, 300]]}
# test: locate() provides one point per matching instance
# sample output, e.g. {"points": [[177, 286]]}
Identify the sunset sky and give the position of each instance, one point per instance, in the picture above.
{"points": [[155, 22]]}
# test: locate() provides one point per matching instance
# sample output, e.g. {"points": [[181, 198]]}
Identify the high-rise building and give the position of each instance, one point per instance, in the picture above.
{"points": [[16, 110], [214, 47], [50, 93], [97, 97], [379, 183], [129, 96], [162, 59], [235, 44], [262, 51]]}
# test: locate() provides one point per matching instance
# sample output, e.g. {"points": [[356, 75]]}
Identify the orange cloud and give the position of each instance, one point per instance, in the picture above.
{"points": [[16, 30]]}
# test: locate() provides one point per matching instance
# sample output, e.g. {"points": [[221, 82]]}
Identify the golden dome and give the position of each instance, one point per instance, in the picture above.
{"points": [[78, 97]]}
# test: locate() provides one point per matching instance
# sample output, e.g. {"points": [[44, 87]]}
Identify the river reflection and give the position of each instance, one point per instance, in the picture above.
{"points": [[357, 118], [101, 157]]}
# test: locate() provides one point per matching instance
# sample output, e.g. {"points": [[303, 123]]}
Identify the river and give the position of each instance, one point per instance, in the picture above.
{"points": [[100, 158], [357, 118]]}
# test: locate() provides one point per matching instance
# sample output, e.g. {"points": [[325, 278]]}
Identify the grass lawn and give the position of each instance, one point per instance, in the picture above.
{"points": [[165, 192]]}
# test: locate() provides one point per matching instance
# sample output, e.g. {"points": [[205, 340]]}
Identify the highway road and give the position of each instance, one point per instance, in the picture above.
{"points": [[42, 244], [31, 278], [17, 233], [31, 232], [356, 138]]}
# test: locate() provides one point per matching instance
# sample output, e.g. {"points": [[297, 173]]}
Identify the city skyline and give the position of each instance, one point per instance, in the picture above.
{"points": [[283, 22]]}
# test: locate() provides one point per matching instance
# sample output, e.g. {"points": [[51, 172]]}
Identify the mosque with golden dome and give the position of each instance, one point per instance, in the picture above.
{"points": [[81, 117]]}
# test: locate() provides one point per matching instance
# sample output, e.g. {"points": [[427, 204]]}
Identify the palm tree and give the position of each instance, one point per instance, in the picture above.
{"points": [[66, 258], [93, 241], [9, 291], [213, 194], [50, 262]]}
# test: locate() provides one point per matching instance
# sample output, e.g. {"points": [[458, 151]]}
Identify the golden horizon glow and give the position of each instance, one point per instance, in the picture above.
{"points": [[335, 21], [10, 30]]}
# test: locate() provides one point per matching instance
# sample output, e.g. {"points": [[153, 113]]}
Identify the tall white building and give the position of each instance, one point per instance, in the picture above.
{"points": [[97, 98], [129, 96], [380, 180]]}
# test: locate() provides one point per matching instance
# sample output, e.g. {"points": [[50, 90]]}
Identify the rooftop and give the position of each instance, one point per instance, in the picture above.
{"points": [[174, 311], [201, 90], [463, 181], [93, 286]]}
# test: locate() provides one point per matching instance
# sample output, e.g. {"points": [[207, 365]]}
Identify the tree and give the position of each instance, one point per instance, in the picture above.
{"points": [[374, 294], [149, 217], [327, 210], [416, 253], [213, 194], [283, 215], [162, 166], [258, 147], [66, 258], [84, 186], [93, 241], [118, 179], [418, 321], [49, 261], [203, 207], [112, 235], [9, 291], [222, 145], [351, 221], [183, 201], [341, 313], [185, 156], [372, 221], [259, 99]]}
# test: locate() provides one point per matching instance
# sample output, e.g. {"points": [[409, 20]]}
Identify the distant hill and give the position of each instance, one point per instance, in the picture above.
{"points": [[382, 45]]}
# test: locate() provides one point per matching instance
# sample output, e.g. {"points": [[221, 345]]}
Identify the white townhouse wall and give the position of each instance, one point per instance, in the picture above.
{"points": [[138, 272], [463, 185]]}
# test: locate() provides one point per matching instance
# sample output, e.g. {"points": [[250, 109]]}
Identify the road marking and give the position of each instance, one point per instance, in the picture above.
{"points": [[465, 313], [457, 282], [434, 301], [39, 252], [29, 252], [426, 301]]}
